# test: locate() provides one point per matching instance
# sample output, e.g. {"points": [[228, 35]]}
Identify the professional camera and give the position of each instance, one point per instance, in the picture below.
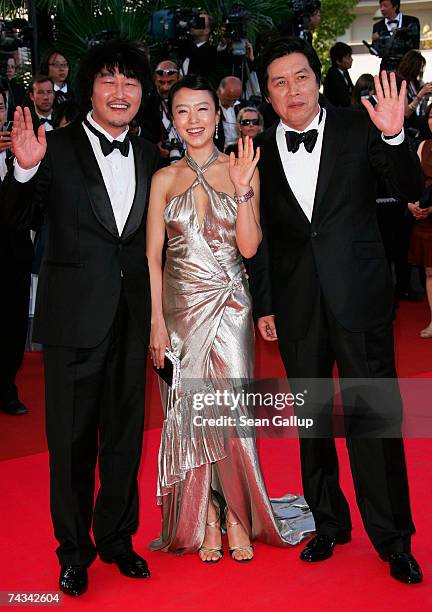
{"points": [[175, 23], [236, 30], [14, 33], [302, 11], [392, 46], [175, 148]]}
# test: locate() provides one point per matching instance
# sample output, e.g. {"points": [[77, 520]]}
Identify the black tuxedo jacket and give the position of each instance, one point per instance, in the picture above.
{"points": [[81, 274], [337, 91], [339, 252], [411, 37]]}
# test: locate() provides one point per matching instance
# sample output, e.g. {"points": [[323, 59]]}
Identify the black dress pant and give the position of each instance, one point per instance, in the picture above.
{"points": [[377, 463], [95, 411], [14, 308]]}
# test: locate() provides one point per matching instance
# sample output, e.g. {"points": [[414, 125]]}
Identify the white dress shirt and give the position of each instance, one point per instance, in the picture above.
{"points": [[301, 168], [3, 166], [229, 122], [63, 88], [47, 126], [392, 26], [118, 173]]}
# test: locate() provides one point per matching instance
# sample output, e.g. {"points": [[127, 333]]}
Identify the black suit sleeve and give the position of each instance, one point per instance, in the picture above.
{"points": [[335, 89], [259, 280], [397, 165], [22, 203]]}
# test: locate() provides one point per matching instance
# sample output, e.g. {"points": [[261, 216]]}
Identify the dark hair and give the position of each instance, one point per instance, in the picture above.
{"points": [[68, 110], [195, 82], [365, 82], [411, 66], [3, 93], [339, 51], [285, 45], [44, 65], [127, 57], [395, 3], [40, 78]]}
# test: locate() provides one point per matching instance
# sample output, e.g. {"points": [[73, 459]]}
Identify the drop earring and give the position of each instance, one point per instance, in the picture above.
{"points": [[216, 131]]}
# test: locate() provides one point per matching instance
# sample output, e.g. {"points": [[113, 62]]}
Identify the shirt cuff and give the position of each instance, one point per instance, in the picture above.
{"points": [[23, 175], [396, 140]]}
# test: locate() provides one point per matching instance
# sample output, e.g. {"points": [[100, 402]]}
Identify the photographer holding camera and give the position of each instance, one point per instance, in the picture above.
{"points": [[305, 19], [196, 53], [155, 123], [395, 34]]}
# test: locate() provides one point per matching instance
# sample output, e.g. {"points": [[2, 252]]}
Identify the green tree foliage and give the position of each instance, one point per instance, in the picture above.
{"points": [[336, 17]]}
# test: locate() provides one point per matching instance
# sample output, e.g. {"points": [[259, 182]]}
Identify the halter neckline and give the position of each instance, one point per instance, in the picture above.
{"points": [[201, 169]]}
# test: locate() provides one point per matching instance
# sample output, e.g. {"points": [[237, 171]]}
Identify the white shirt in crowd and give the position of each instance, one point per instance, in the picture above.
{"points": [[3, 167], [117, 171], [47, 126], [63, 88], [301, 168], [229, 125], [393, 26]]}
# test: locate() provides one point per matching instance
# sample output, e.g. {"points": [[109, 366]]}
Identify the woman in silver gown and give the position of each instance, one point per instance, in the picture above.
{"points": [[201, 310]]}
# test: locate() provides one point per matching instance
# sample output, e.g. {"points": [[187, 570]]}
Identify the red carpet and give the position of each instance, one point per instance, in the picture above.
{"points": [[354, 579]]}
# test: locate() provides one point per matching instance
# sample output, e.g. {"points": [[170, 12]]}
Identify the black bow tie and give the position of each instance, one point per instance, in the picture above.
{"points": [[393, 21], [108, 147], [294, 140], [43, 120]]}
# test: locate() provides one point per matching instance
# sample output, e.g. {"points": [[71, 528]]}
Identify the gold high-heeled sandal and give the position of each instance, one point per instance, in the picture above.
{"points": [[233, 549], [216, 525]]}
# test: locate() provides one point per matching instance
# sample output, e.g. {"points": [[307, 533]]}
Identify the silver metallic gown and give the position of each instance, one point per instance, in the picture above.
{"points": [[207, 311]]}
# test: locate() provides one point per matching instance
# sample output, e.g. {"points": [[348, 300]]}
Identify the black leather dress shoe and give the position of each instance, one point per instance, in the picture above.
{"points": [[14, 407], [321, 547], [130, 564], [73, 580], [403, 567]]}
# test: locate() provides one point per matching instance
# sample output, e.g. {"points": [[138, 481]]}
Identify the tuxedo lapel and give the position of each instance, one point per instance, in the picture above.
{"points": [[332, 139], [139, 202], [98, 195], [273, 167]]}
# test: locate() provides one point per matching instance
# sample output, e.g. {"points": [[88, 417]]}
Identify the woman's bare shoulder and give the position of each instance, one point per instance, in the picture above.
{"points": [[170, 174]]}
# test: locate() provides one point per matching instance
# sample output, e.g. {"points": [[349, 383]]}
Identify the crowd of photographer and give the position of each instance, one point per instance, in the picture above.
{"points": [[188, 45]]}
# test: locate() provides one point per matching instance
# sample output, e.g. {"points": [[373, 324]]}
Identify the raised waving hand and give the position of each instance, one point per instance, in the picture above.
{"points": [[29, 149], [388, 114]]}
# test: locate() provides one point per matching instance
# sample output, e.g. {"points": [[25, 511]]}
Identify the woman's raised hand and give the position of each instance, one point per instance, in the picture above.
{"points": [[242, 167], [29, 149]]}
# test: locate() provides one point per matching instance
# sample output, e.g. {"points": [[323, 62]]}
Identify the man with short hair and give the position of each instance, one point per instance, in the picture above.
{"points": [[42, 95], [322, 288], [229, 93], [15, 92], [155, 122], [337, 84], [93, 305], [395, 34], [197, 54]]}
